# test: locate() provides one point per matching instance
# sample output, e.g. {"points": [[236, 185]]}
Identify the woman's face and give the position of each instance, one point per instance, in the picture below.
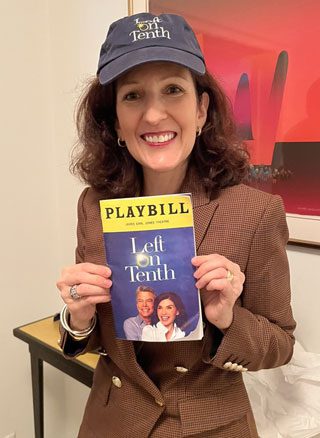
{"points": [[158, 114], [167, 312]]}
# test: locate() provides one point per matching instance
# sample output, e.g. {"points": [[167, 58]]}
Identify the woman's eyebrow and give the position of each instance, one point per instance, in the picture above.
{"points": [[162, 78], [172, 77], [129, 82]]}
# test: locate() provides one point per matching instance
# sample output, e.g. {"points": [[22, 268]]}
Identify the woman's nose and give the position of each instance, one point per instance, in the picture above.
{"points": [[154, 111]]}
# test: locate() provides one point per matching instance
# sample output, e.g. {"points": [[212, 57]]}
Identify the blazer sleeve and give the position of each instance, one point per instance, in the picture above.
{"points": [[261, 334], [70, 347]]}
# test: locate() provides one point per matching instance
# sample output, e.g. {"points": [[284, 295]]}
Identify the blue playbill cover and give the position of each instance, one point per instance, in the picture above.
{"points": [[149, 243]]}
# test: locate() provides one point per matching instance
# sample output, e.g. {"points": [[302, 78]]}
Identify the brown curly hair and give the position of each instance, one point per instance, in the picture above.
{"points": [[219, 157]]}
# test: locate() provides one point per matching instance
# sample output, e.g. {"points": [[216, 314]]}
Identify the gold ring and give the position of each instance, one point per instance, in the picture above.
{"points": [[229, 276]]}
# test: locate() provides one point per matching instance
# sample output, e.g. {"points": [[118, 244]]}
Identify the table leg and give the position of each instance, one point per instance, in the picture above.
{"points": [[37, 393]]}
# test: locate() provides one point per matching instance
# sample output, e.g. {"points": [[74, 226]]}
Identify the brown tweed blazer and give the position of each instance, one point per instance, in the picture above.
{"points": [[184, 389]]}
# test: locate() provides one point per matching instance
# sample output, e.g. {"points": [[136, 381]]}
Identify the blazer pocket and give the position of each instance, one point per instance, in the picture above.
{"points": [[215, 409]]}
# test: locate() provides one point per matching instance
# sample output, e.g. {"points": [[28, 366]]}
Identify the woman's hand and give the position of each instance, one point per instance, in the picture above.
{"points": [[92, 285], [219, 290]]}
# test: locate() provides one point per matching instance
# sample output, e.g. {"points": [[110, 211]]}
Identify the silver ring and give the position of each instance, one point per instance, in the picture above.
{"points": [[229, 276], [73, 293]]}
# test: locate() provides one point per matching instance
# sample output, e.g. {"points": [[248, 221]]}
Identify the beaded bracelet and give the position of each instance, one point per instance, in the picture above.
{"points": [[76, 334]]}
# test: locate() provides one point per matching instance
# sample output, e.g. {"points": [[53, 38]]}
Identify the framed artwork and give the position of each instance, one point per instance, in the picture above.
{"points": [[135, 6], [265, 55]]}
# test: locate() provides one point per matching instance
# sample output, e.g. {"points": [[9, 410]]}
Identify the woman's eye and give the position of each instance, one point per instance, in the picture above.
{"points": [[174, 89], [131, 96]]}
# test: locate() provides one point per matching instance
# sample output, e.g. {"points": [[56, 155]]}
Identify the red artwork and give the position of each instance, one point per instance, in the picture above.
{"points": [[267, 57]]}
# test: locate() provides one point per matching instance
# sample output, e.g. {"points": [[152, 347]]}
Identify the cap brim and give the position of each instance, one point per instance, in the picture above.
{"points": [[121, 65]]}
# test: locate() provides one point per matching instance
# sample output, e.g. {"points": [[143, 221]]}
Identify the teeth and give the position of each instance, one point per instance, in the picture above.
{"points": [[159, 138]]}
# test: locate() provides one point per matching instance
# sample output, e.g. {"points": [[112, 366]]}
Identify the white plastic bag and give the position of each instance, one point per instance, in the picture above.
{"points": [[286, 400]]}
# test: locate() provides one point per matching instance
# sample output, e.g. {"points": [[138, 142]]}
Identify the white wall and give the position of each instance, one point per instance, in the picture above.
{"points": [[29, 255], [77, 30], [48, 48]]}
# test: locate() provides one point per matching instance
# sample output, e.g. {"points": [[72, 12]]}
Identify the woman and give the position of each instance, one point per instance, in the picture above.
{"points": [[155, 122], [171, 317]]}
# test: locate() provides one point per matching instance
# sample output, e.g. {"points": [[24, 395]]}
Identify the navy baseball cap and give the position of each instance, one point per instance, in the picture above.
{"points": [[144, 37]]}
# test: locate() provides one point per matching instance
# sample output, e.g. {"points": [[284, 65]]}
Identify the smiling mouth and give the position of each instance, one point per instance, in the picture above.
{"points": [[157, 139], [164, 318]]}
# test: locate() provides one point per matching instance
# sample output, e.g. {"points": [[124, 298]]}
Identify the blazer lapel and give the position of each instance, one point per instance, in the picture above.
{"points": [[203, 215], [126, 360], [203, 207], [123, 353]]}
